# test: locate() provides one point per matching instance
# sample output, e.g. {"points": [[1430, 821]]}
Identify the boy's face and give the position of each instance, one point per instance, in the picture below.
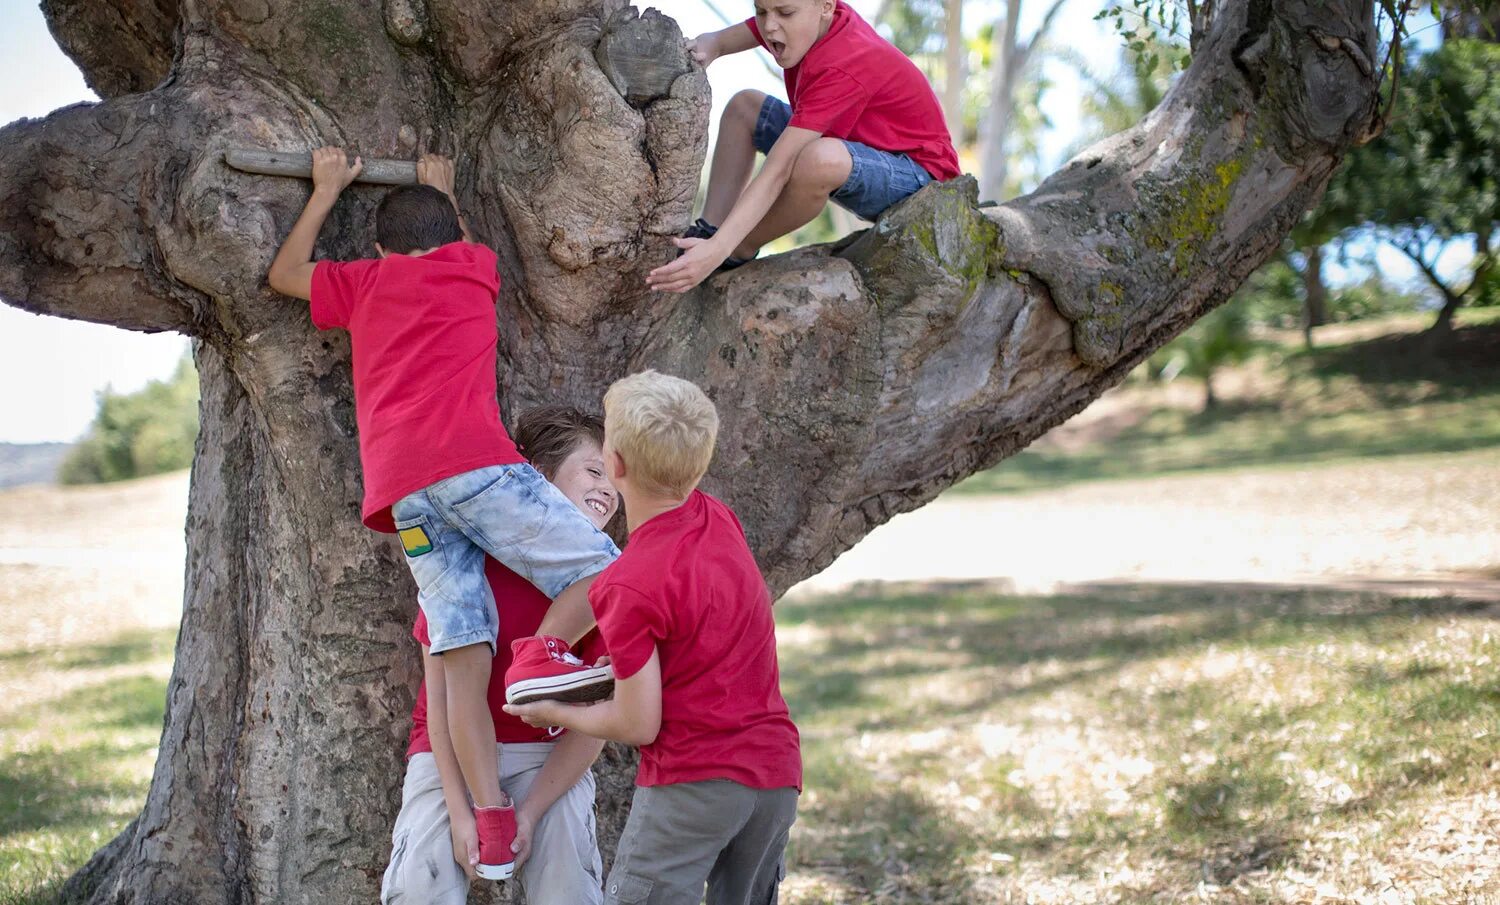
{"points": [[581, 478], [791, 27]]}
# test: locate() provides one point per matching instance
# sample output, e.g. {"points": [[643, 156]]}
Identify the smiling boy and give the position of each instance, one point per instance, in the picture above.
{"points": [[863, 129]]}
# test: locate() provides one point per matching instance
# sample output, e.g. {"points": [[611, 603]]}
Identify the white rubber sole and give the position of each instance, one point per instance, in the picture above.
{"points": [[584, 685], [496, 871]]}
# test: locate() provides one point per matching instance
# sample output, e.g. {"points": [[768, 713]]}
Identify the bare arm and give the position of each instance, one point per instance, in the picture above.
{"points": [[703, 255], [632, 716], [437, 171], [292, 269], [709, 46], [455, 793]]}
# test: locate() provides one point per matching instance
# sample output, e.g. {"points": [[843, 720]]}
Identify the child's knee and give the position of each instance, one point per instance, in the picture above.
{"points": [[743, 108], [824, 165]]}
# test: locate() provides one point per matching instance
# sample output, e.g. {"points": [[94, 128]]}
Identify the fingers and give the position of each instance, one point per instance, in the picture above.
{"points": [[359, 167]]}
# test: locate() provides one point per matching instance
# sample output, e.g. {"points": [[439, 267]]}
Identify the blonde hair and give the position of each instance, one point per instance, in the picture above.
{"points": [[664, 428]]}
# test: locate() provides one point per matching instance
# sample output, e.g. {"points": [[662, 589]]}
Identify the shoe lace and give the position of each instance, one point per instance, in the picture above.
{"points": [[555, 731], [569, 659]]}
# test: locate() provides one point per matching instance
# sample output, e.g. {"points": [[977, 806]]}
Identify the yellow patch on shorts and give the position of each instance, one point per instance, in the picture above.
{"points": [[415, 541]]}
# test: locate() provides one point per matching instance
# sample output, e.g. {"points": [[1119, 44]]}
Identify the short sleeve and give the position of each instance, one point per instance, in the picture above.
{"points": [[829, 103], [419, 631], [755, 30], [630, 623], [336, 287]]}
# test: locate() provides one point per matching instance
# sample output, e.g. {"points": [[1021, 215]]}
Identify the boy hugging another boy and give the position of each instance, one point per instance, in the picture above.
{"points": [[686, 617], [863, 128], [439, 468]]}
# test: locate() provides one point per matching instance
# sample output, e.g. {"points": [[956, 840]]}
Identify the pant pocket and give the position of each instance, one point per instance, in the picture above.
{"points": [[628, 889]]}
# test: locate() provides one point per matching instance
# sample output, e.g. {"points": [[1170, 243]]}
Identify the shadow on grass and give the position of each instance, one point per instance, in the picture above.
{"points": [[1458, 366], [1247, 811]]}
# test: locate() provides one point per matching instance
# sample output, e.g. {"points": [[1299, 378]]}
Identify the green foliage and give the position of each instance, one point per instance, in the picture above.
{"points": [[1219, 339], [136, 434]]}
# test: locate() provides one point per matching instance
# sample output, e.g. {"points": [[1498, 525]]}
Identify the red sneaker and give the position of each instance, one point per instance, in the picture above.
{"points": [[543, 669], [497, 830]]}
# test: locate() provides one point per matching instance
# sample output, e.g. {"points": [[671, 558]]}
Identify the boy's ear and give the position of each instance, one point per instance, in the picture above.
{"points": [[615, 466], [380, 250]]}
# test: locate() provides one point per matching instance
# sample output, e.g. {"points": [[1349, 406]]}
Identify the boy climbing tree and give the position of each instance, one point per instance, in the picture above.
{"points": [[863, 128]]}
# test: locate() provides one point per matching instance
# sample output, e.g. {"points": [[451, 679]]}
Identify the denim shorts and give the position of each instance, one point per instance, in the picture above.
{"points": [[509, 512], [878, 179]]}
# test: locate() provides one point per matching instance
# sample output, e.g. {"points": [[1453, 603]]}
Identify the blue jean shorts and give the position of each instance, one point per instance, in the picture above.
{"points": [[878, 179], [509, 512]]}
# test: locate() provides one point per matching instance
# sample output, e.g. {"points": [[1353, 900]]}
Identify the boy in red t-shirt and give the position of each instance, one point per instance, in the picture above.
{"points": [[863, 128], [686, 617], [439, 468]]}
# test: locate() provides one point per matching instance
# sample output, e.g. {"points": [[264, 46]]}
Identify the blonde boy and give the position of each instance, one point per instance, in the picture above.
{"points": [[686, 617]]}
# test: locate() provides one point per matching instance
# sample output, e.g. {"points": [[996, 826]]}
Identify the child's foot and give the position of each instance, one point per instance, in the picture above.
{"points": [[497, 830], [543, 669]]}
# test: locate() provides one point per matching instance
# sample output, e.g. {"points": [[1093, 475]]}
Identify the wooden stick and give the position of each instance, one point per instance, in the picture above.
{"points": [[299, 164]]}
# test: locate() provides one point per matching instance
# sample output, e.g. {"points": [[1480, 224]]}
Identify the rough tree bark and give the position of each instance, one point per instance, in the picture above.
{"points": [[855, 381]]}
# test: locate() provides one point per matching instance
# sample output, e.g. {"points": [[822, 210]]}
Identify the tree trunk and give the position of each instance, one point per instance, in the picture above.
{"points": [[995, 130], [854, 381], [1315, 293], [955, 68]]}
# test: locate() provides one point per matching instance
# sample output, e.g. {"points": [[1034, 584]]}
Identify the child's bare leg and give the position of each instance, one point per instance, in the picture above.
{"points": [[734, 155], [570, 617], [821, 168], [470, 725]]}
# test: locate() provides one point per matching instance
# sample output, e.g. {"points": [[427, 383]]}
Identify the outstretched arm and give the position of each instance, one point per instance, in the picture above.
{"points": [[632, 716], [455, 793], [437, 171], [711, 45], [703, 255], [292, 270]]}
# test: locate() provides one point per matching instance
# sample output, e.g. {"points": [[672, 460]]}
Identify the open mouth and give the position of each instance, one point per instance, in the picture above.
{"points": [[778, 48], [596, 506]]}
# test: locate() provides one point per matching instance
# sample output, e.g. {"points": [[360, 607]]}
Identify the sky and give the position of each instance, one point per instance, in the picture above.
{"points": [[63, 365]]}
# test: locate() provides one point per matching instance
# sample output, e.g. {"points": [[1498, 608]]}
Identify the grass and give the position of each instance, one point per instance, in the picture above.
{"points": [[1142, 744], [79, 726], [1389, 395]]}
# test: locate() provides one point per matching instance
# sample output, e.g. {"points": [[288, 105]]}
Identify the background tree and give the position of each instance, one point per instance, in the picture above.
{"points": [[134, 434], [854, 381], [1010, 59]]}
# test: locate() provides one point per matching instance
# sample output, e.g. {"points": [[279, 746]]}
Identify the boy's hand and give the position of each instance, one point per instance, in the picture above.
{"points": [[331, 170], [541, 714], [704, 49], [465, 843], [700, 258], [525, 826], [437, 171]]}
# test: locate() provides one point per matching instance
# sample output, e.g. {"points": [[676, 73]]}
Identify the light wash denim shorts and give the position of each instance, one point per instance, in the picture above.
{"points": [[511, 513], [878, 180]]}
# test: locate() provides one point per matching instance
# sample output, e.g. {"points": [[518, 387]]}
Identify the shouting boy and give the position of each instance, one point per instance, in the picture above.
{"points": [[863, 128]]}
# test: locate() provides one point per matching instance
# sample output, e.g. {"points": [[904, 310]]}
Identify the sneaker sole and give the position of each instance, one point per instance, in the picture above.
{"points": [[577, 688], [496, 871]]}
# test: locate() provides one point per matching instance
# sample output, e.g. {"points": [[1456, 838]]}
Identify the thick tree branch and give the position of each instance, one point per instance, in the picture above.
{"points": [[80, 194], [123, 47]]}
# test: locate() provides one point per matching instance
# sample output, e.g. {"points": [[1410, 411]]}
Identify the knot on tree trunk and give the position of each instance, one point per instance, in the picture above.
{"points": [[642, 54]]}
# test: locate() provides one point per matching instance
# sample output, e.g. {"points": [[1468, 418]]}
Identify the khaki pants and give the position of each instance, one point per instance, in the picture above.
{"points": [[564, 867], [718, 832]]}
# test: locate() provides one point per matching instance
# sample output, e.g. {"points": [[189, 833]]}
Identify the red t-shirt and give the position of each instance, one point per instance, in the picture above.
{"points": [[521, 607], [855, 84], [687, 587], [423, 333]]}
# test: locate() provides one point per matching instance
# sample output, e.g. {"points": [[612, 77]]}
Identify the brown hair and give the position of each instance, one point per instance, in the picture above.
{"points": [[414, 217], [548, 434]]}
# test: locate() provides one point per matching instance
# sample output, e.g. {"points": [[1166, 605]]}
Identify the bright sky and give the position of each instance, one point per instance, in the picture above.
{"points": [[62, 365]]}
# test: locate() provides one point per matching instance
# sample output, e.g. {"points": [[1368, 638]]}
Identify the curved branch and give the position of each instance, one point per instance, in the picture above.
{"points": [[81, 196], [873, 375]]}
